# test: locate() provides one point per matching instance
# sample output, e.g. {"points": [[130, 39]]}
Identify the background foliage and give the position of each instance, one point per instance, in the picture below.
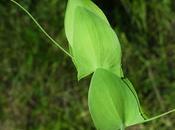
{"points": [[38, 85]]}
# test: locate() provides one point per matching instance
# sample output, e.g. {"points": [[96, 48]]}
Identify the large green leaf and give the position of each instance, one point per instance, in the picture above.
{"points": [[95, 44], [70, 15], [112, 103]]}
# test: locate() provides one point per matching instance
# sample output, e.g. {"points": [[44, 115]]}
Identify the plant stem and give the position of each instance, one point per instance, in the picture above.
{"points": [[41, 28]]}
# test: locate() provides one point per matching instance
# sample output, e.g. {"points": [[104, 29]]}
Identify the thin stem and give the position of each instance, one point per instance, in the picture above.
{"points": [[161, 115], [41, 28]]}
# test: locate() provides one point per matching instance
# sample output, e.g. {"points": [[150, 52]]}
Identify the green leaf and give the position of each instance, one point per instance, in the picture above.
{"points": [[88, 38], [95, 44], [112, 104], [70, 15]]}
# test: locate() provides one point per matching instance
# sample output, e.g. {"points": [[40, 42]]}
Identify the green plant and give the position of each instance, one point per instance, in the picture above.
{"points": [[94, 48]]}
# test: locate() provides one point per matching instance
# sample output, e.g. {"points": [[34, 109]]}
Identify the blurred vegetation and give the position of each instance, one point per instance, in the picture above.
{"points": [[38, 85]]}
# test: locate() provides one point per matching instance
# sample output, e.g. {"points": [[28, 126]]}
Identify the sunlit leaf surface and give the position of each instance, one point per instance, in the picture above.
{"points": [[95, 44]]}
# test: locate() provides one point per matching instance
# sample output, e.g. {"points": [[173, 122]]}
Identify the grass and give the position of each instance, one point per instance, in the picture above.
{"points": [[38, 85]]}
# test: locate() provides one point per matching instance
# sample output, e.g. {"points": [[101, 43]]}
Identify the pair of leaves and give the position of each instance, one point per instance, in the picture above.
{"points": [[113, 101], [93, 43]]}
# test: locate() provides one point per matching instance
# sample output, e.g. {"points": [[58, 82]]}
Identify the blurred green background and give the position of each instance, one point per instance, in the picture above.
{"points": [[38, 85]]}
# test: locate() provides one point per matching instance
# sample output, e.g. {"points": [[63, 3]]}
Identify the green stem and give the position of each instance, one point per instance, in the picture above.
{"points": [[161, 115], [41, 28]]}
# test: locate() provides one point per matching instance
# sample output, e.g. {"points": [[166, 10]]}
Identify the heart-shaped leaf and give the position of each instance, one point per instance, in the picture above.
{"points": [[112, 103], [95, 44]]}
